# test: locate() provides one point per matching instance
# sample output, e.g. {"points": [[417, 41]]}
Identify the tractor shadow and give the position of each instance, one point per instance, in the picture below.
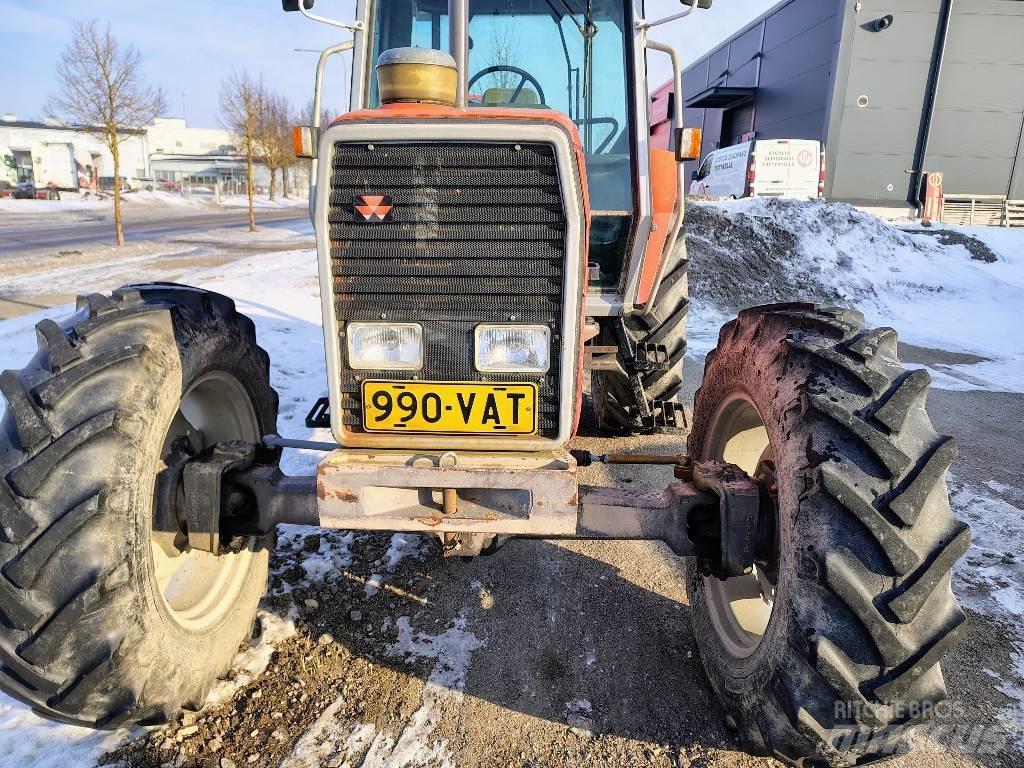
{"points": [[593, 636], [579, 640]]}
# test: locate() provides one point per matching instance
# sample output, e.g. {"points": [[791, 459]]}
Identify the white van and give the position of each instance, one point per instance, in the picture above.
{"points": [[769, 168]]}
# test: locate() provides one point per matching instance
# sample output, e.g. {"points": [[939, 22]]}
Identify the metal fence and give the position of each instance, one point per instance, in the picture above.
{"points": [[982, 211]]}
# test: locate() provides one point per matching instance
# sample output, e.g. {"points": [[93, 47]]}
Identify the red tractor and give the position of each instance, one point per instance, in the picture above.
{"points": [[492, 224]]}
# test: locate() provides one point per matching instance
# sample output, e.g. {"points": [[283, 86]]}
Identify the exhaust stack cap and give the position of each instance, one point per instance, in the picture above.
{"points": [[417, 75]]}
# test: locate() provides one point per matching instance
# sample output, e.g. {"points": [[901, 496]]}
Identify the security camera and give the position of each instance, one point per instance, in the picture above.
{"points": [[883, 23]]}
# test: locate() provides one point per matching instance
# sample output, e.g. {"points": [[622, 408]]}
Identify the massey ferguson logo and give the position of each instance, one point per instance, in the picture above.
{"points": [[373, 207]]}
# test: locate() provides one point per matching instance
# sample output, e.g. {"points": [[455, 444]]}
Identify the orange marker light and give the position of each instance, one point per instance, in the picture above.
{"points": [[302, 142], [688, 144]]}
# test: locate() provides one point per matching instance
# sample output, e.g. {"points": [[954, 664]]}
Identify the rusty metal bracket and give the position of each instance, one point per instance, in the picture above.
{"points": [[607, 513], [740, 502], [202, 481], [474, 501]]}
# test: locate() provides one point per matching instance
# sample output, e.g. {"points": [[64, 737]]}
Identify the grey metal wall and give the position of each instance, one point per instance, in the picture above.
{"points": [[788, 55], [979, 114], [823, 72], [881, 94]]}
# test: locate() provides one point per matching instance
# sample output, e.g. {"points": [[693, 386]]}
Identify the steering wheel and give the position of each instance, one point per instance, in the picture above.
{"points": [[524, 78]]}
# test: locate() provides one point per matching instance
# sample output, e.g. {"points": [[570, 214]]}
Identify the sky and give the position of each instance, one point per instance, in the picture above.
{"points": [[190, 46]]}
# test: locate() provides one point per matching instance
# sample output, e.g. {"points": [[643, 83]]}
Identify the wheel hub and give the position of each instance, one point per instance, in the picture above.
{"points": [[198, 587], [741, 603]]}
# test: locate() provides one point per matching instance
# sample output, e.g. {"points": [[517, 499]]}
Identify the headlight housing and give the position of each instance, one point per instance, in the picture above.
{"points": [[385, 346], [512, 348]]}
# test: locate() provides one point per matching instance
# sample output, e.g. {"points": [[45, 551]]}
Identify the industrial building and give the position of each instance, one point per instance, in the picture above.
{"points": [[201, 155], [167, 150], [892, 88], [20, 138]]}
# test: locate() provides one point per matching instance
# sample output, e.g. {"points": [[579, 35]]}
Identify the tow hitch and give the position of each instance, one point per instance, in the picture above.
{"points": [[475, 501]]}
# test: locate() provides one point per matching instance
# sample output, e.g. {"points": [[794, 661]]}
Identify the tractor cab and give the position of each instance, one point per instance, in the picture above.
{"points": [[584, 60], [500, 152], [544, 54]]}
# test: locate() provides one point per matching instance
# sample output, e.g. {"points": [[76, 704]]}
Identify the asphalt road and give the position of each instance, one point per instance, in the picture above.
{"points": [[37, 236]]}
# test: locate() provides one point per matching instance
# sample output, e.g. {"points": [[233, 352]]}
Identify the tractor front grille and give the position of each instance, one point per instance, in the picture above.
{"points": [[476, 235]]}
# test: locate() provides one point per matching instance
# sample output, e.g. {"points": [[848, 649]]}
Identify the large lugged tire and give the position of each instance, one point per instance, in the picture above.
{"points": [[101, 623], [861, 609], [663, 324]]}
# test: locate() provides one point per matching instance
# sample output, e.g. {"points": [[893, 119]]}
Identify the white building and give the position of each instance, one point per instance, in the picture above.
{"points": [[91, 155], [167, 150], [199, 155]]}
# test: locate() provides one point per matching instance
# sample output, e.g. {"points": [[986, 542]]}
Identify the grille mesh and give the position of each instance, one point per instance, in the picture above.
{"points": [[477, 235]]}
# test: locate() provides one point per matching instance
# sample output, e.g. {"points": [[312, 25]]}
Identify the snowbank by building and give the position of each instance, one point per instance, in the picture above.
{"points": [[936, 291]]}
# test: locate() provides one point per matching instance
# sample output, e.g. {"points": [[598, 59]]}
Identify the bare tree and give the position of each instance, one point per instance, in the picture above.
{"points": [[242, 105], [305, 117], [504, 53], [101, 88], [273, 138]]}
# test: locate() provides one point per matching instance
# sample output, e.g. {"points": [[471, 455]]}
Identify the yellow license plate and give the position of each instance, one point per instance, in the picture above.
{"points": [[422, 406]]}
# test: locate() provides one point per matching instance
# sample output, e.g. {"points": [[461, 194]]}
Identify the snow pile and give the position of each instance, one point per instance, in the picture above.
{"points": [[160, 197], [73, 208], [936, 291], [241, 201], [27, 741], [66, 203]]}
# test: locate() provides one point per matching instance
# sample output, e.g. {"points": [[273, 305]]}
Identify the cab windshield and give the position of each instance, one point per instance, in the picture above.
{"points": [[568, 55]]}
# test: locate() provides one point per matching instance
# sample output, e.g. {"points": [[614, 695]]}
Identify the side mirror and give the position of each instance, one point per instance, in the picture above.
{"points": [[293, 5], [688, 144], [700, 3], [695, 175]]}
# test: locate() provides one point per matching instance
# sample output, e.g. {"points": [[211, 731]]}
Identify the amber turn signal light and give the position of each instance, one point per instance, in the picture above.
{"points": [[688, 143]]}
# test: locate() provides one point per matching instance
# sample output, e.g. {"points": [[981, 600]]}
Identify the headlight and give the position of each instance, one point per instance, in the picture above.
{"points": [[513, 348], [392, 346]]}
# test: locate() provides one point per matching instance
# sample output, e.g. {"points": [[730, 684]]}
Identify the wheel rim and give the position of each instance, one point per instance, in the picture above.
{"points": [[741, 607], [199, 589]]}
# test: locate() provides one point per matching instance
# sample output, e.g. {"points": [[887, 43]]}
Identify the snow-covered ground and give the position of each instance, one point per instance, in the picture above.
{"points": [[935, 294], [71, 209], [280, 292]]}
